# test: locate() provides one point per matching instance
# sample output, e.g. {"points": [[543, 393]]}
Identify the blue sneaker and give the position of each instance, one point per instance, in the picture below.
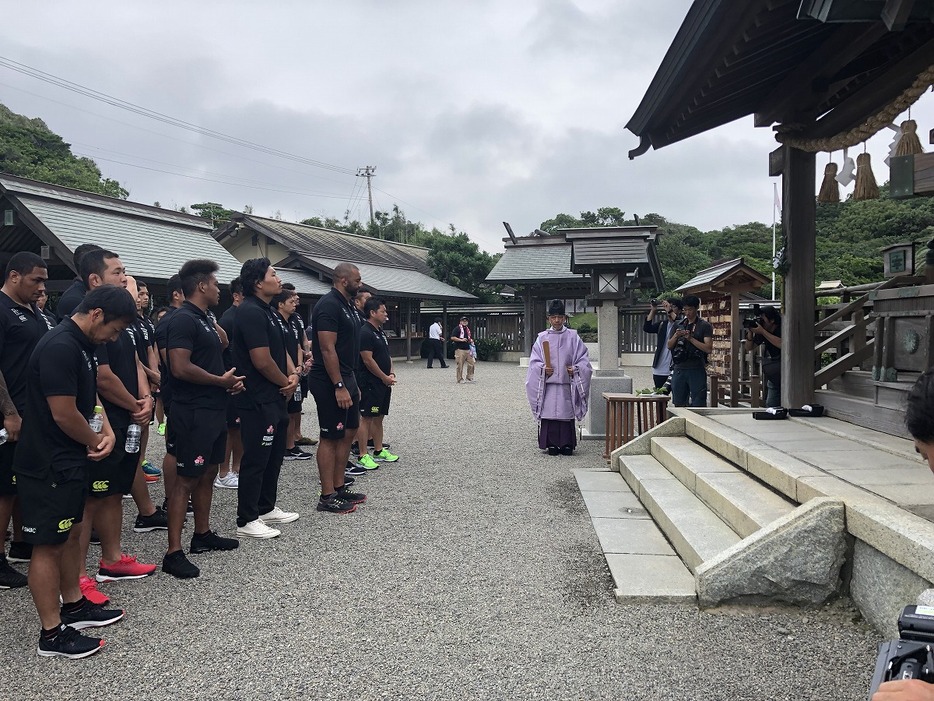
{"points": [[151, 472]]}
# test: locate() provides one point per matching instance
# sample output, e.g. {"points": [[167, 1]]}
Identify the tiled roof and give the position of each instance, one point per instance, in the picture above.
{"points": [[398, 282], [153, 243], [530, 264], [721, 271], [316, 242], [306, 283]]}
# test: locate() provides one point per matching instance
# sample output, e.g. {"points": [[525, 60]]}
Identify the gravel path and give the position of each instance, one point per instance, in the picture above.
{"points": [[471, 573]]}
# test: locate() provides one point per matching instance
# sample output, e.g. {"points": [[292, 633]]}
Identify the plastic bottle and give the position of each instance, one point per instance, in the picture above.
{"points": [[297, 397], [96, 422], [3, 436], [133, 434]]}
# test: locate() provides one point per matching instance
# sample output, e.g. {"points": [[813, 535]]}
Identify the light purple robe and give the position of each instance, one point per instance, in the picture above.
{"points": [[559, 397]]}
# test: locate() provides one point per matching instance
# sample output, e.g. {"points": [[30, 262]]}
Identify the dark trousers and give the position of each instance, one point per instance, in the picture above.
{"points": [[435, 350], [262, 459]]}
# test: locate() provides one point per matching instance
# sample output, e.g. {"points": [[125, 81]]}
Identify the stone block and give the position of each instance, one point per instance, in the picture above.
{"points": [[596, 414], [796, 559], [651, 579], [881, 587]]}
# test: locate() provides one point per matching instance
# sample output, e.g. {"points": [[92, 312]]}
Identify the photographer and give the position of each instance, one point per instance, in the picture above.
{"points": [[689, 346], [768, 332], [662, 323], [919, 420]]}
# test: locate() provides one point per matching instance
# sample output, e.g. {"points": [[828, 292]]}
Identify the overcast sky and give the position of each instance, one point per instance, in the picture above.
{"points": [[473, 113]]}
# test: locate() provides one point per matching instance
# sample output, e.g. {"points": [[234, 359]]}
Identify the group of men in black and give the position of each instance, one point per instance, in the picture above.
{"points": [[75, 397]]}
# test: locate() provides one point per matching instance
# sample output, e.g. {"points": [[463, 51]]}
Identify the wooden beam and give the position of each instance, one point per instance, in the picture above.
{"points": [[895, 14], [798, 216], [873, 95], [806, 85]]}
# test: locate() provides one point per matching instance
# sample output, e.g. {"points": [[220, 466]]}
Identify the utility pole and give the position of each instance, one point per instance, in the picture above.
{"points": [[368, 172]]}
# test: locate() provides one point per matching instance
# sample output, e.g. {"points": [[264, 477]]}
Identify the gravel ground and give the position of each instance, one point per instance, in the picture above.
{"points": [[472, 573]]}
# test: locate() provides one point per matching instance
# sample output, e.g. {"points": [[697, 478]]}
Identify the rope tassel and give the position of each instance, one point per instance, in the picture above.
{"points": [[909, 143], [829, 189], [866, 187]]}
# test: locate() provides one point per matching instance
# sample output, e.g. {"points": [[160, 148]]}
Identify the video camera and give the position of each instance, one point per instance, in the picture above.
{"points": [[911, 656], [752, 320]]}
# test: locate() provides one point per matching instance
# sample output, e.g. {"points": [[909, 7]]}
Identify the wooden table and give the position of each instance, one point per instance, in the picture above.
{"points": [[628, 415]]}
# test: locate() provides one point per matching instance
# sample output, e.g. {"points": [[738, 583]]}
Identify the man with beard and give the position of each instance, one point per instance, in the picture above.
{"points": [[335, 347], [259, 352], [21, 327]]}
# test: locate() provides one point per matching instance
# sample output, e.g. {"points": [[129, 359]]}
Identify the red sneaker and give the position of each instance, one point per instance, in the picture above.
{"points": [[91, 592], [125, 568]]}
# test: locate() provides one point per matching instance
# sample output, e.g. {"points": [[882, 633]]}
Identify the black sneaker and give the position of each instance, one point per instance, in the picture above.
{"points": [[67, 642], [20, 551], [206, 542], [336, 506], [157, 521], [177, 565], [348, 480], [10, 578], [297, 453], [369, 443], [353, 469], [90, 615], [350, 497], [355, 448]]}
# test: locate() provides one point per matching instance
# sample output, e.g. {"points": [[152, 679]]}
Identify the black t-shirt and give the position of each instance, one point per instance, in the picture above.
{"points": [[700, 330], [192, 330], [772, 351], [227, 323], [374, 340], [258, 326], [71, 298], [165, 389], [145, 332], [120, 355], [294, 332], [335, 314], [62, 364], [20, 331]]}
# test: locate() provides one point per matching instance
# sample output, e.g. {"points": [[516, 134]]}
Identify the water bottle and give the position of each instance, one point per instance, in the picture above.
{"points": [[297, 397], [3, 436], [96, 422], [133, 434]]}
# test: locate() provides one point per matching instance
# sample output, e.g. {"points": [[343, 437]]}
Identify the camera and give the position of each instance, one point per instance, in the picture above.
{"points": [[909, 657], [752, 320], [653, 302], [683, 349]]}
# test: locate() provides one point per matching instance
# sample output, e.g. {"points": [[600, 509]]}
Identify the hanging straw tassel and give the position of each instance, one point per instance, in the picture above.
{"points": [[909, 143], [866, 188], [829, 189]]}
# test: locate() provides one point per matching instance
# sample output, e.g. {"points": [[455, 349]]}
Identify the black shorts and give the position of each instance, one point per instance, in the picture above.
{"points": [[170, 437], [7, 478], [374, 400], [200, 438], [332, 420], [52, 504], [233, 415], [114, 474]]}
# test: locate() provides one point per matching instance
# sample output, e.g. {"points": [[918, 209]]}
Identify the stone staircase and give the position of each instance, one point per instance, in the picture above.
{"points": [[692, 522]]}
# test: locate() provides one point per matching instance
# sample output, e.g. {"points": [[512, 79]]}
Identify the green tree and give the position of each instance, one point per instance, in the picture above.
{"points": [[217, 213], [458, 261], [29, 149]]}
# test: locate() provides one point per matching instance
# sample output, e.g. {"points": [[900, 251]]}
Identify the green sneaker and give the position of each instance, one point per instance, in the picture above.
{"points": [[368, 462], [385, 456], [161, 429]]}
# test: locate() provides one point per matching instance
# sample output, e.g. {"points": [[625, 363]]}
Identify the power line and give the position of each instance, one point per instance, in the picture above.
{"points": [[164, 118]]}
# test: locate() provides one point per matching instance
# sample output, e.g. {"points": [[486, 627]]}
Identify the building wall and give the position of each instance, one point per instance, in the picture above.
{"points": [[241, 247]]}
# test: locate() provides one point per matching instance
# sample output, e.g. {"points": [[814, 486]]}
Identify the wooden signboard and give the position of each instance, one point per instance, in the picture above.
{"points": [[911, 175]]}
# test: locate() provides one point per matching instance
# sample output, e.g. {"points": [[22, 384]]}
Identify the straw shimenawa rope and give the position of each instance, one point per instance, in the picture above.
{"points": [[829, 188], [873, 125]]}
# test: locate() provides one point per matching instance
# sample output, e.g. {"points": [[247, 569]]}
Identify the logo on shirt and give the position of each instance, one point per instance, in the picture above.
{"points": [[270, 434], [87, 359], [99, 486], [19, 314]]}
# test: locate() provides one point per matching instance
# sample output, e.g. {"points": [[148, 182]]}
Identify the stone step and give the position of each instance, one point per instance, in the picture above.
{"points": [[642, 562], [695, 531], [744, 503]]}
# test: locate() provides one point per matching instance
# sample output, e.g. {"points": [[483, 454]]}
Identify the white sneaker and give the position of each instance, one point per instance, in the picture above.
{"points": [[277, 515], [229, 481], [257, 529]]}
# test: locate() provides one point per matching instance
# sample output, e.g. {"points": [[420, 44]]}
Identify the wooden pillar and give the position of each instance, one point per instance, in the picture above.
{"points": [[408, 330], [798, 221], [528, 312], [447, 332], [736, 348]]}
